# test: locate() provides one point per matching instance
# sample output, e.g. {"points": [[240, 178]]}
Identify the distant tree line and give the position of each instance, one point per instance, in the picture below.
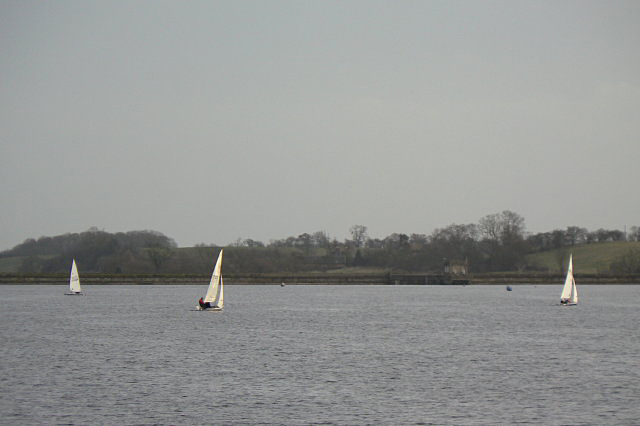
{"points": [[498, 242], [95, 250]]}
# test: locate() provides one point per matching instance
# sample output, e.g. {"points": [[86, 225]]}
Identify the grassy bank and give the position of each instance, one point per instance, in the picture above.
{"points": [[309, 279], [587, 258]]}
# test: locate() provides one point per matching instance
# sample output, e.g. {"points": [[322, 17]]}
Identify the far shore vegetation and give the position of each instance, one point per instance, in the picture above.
{"points": [[497, 243]]}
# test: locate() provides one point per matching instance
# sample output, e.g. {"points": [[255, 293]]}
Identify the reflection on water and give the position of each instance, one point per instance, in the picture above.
{"points": [[319, 354]]}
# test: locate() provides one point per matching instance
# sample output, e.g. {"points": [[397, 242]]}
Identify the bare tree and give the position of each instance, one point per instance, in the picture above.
{"points": [[358, 234], [502, 227], [490, 226], [320, 239], [512, 225], [576, 235]]}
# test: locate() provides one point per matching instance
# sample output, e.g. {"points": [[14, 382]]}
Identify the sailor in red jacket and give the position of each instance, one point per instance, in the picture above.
{"points": [[204, 305]]}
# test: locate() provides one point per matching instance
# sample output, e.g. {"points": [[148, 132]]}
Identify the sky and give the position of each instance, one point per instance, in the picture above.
{"points": [[211, 121]]}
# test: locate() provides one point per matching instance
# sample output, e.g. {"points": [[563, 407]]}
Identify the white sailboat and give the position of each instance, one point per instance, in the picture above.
{"points": [[74, 281], [214, 300], [569, 291]]}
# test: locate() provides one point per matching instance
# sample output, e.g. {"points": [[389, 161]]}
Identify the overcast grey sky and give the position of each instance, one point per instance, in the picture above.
{"points": [[216, 120]]}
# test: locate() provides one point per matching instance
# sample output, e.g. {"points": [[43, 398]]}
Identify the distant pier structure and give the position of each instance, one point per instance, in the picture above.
{"points": [[427, 279], [451, 274]]}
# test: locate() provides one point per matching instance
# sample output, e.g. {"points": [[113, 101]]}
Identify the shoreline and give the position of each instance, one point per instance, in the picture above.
{"points": [[321, 279]]}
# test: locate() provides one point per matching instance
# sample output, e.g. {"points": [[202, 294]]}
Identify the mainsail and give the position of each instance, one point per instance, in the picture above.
{"points": [[215, 292], [569, 291], [74, 279]]}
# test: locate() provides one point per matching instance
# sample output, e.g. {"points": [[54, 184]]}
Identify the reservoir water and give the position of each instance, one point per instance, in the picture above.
{"points": [[320, 355]]}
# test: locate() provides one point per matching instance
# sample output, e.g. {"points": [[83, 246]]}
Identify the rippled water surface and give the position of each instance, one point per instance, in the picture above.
{"points": [[320, 354]]}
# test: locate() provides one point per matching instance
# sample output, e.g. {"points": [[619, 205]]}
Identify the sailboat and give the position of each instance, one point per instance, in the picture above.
{"points": [[569, 291], [214, 300], [74, 281]]}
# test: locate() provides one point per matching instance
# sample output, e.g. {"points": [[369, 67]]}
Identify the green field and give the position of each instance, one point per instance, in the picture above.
{"points": [[587, 258], [10, 265]]}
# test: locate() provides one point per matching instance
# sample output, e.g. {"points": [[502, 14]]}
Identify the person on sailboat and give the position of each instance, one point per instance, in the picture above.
{"points": [[206, 305]]}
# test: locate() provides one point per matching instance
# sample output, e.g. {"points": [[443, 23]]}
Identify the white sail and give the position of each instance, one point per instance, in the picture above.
{"points": [[569, 291], [214, 284], [74, 279], [220, 301]]}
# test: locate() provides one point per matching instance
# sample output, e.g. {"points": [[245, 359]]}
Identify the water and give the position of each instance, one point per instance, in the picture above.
{"points": [[319, 354]]}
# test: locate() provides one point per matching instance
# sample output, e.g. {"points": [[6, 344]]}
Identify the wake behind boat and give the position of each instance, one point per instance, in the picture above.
{"points": [[74, 282], [214, 300], [569, 295]]}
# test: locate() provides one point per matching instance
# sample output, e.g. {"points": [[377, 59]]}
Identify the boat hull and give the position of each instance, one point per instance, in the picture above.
{"points": [[199, 308]]}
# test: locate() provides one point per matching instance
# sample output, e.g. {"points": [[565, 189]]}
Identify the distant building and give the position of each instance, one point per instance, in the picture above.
{"points": [[458, 269], [455, 268]]}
